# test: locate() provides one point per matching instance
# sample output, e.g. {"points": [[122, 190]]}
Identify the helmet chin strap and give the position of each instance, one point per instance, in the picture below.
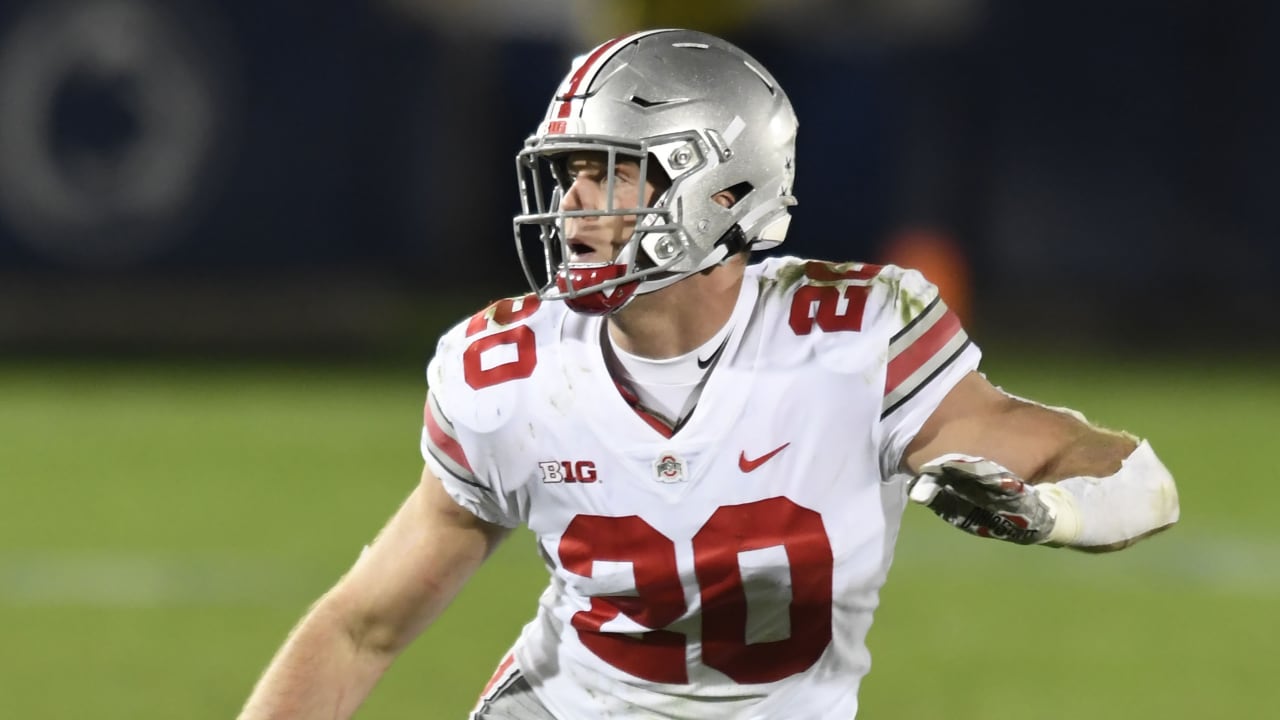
{"points": [[731, 243]]}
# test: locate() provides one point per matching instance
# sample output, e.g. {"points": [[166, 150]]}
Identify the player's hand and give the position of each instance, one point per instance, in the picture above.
{"points": [[983, 498]]}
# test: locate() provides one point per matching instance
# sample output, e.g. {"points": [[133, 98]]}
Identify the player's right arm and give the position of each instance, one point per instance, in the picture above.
{"points": [[400, 584]]}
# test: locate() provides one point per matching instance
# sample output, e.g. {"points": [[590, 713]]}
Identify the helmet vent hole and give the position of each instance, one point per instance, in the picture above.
{"points": [[760, 74], [739, 191], [646, 103]]}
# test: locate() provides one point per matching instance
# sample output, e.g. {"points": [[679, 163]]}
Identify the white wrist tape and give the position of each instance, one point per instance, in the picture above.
{"points": [[1136, 500]]}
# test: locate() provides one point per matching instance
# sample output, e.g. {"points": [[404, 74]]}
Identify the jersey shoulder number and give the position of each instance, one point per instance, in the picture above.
{"points": [[499, 345], [478, 362], [830, 297], [822, 296]]}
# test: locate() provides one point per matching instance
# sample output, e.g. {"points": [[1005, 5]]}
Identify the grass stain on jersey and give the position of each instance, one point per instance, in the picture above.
{"points": [[845, 268], [787, 276], [910, 304], [796, 272]]}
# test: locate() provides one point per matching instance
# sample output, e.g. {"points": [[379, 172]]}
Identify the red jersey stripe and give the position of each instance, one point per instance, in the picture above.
{"points": [[627, 395], [922, 350], [497, 675], [655, 423], [441, 439], [634, 401]]}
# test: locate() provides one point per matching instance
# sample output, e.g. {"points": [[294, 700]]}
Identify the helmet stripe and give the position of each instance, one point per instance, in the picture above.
{"points": [[592, 65], [576, 80]]}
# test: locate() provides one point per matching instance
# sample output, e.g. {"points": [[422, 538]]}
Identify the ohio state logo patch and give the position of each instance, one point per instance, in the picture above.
{"points": [[669, 468]]}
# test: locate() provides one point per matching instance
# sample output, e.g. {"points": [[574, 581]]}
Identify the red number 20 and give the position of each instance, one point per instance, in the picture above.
{"points": [[826, 298], [659, 655], [503, 312]]}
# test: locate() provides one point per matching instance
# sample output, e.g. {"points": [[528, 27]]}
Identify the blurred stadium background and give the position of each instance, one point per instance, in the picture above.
{"points": [[230, 233]]}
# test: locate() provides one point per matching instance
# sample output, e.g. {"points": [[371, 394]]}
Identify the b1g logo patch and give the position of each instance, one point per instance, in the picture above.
{"points": [[568, 471], [669, 468]]}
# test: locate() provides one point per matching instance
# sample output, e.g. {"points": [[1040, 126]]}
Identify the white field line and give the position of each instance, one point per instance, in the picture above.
{"points": [[140, 580], [1216, 565], [1177, 559]]}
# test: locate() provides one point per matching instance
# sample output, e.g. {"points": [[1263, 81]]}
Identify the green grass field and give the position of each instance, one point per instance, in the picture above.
{"points": [[165, 525]]}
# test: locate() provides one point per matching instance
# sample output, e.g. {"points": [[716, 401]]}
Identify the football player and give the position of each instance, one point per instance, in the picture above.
{"points": [[714, 455]]}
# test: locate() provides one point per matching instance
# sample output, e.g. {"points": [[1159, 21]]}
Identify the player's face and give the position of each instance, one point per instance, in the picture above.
{"points": [[600, 239]]}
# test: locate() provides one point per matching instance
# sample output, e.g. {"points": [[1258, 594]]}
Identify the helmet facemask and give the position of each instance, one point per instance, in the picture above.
{"points": [[650, 258]]}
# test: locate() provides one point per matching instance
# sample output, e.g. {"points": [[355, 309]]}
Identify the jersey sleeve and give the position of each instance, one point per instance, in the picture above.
{"points": [[458, 455], [928, 353]]}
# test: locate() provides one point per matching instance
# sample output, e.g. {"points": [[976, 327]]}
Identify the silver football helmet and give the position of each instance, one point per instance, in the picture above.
{"points": [[702, 110]]}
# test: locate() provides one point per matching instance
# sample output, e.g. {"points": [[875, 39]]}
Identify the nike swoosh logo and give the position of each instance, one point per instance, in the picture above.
{"points": [[704, 364], [747, 466]]}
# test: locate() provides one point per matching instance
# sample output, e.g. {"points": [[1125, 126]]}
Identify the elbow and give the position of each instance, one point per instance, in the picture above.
{"points": [[355, 626], [370, 634]]}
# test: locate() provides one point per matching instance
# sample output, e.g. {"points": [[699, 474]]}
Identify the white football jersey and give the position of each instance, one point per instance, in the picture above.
{"points": [[728, 569]]}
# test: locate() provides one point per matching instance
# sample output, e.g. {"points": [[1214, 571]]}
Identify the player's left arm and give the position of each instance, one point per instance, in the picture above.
{"points": [[1090, 488]]}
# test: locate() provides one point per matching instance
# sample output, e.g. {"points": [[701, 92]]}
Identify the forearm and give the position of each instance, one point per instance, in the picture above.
{"points": [[1055, 443], [1094, 489], [398, 586], [325, 669], [1092, 452]]}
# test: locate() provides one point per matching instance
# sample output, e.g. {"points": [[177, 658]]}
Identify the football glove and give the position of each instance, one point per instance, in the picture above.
{"points": [[983, 498]]}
